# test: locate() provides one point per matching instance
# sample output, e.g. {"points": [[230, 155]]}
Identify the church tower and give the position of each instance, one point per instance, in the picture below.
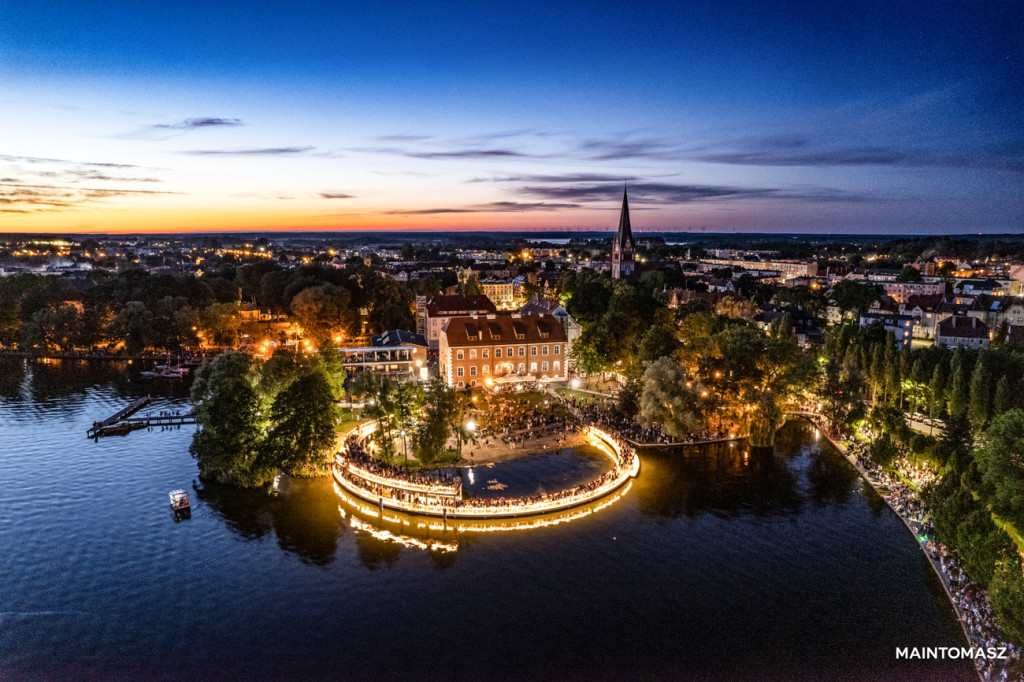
{"points": [[622, 248]]}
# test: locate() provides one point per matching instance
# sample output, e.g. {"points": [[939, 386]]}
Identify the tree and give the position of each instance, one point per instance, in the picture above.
{"points": [[302, 418], [132, 325], [1001, 464], [657, 342], [851, 295], [665, 399], [228, 445], [1001, 403], [471, 286], [909, 274], [221, 322], [883, 450], [323, 312], [981, 398], [1006, 593], [936, 390], [329, 361], [840, 393], [430, 437], [954, 448], [958, 393]]}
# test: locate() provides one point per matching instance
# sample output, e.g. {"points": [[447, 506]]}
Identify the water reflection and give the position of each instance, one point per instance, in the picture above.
{"points": [[12, 376], [720, 479], [301, 513]]}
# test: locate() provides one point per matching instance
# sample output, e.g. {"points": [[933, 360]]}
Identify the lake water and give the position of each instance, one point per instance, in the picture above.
{"points": [[711, 566]]}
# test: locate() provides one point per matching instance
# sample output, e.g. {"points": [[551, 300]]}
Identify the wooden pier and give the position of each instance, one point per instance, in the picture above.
{"points": [[124, 421]]}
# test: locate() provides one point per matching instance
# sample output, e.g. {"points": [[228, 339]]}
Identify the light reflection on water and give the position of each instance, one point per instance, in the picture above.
{"points": [[711, 565]]}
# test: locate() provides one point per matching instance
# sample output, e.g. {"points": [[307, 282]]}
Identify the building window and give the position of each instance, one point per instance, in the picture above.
{"points": [[522, 367], [558, 350], [459, 355], [544, 366], [522, 351], [484, 354], [461, 384], [497, 352], [458, 372], [472, 371], [533, 350], [472, 354], [473, 382], [544, 350], [486, 369], [533, 367], [509, 352], [558, 366]]}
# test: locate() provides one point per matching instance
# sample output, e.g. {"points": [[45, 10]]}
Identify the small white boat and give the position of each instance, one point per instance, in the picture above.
{"points": [[180, 501]]}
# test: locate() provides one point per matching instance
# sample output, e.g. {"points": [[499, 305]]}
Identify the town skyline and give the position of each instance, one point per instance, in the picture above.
{"points": [[428, 117]]}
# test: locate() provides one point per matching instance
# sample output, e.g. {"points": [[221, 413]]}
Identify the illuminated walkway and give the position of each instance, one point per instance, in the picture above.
{"points": [[445, 500]]}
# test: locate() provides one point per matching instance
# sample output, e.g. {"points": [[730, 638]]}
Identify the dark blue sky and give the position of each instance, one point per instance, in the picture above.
{"points": [[786, 116]]}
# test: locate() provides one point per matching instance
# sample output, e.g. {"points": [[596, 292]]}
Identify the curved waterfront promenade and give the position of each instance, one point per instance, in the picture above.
{"points": [[444, 499]]}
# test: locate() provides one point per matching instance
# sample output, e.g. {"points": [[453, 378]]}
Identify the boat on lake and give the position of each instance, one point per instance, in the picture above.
{"points": [[180, 504]]}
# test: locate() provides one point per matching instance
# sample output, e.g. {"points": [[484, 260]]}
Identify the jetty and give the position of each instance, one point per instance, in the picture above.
{"points": [[125, 421]]}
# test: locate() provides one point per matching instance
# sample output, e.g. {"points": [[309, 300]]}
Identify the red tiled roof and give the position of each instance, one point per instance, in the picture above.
{"points": [[478, 331], [963, 327], [444, 306]]}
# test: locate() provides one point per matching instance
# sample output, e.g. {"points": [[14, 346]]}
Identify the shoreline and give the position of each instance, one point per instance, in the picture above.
{"points": [[931, 560]]}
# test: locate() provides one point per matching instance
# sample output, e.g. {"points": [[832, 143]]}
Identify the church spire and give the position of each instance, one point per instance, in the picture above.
{"points": [[625, 231], [622, 247]]}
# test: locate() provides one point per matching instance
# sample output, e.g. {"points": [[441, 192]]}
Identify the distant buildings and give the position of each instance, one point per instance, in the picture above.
{"points": [[960, 330], [902, 326], [433, 315]]}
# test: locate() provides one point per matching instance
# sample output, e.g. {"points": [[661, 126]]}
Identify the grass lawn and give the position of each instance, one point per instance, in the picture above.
{"points": [[349, 419]]}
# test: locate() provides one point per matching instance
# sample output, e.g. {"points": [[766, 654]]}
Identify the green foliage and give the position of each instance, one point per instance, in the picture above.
{"points": [[303, 416], [1001, 403], [431, 434], [980, 395], [228, 445], [954, 447], [852, 295], [1006, 593], [666, 400], [323, 312], [840, 394], [909, 274], [1001, 465], [883, 450]]}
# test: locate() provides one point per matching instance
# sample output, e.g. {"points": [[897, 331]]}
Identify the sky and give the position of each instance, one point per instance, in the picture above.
{"points": [[748, 116]]}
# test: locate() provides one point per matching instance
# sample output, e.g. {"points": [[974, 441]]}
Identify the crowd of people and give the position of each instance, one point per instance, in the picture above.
{"points": [[356, 456], [969, 599], [639, 432], [976, 614]]}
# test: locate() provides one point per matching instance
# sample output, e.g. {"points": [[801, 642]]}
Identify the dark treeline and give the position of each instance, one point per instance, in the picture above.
{"points": [[134, 310]]}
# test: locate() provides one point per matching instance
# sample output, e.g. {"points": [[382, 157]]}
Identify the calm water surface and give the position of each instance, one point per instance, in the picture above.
{"points": [[711, 566]]}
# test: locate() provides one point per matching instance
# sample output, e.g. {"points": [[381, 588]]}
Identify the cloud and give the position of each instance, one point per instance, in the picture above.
{"points": [[260, 151], [166, 131], [492, 207], [403, 138], [577, 177], [468, 154], [622, 149], [671, 194], [33, 198], [799, 150], [196, 123], [336, 195]]}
